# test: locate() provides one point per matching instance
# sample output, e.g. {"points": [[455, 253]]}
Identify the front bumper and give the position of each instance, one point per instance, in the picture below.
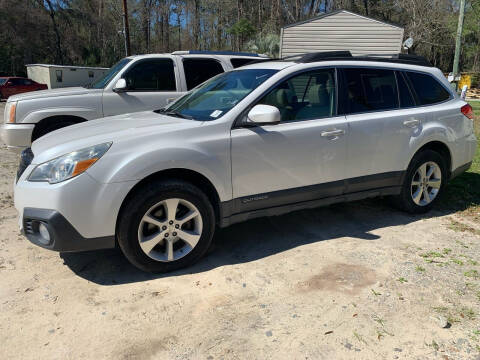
{"points": [[81, 213], [62, 235], [16, 136]]}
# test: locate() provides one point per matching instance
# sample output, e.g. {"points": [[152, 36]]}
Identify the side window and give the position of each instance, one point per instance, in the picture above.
{"points": [[310, 95], [406, 98], [237, 62], [199, 70], [151, 75], [371, 89], [428, 90], [16, 82], [27, 82]]}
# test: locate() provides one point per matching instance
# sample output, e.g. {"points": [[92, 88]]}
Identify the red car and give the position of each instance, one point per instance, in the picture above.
{"points": [[17, 85]]}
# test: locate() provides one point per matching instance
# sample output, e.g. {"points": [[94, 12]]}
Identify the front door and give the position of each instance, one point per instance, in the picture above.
{"points": [[300, 159], [151, 84]]}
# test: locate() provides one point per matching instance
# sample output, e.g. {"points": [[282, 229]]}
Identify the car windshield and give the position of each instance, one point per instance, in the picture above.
{"points": [[215, 97], [103, 81], [3, 81]]}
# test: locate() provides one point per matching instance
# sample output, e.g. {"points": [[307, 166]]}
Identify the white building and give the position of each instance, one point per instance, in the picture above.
{"points": [[341, 30], [57, 76]]}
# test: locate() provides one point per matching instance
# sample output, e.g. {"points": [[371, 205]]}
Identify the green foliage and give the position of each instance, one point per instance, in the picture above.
{"points": [[268, 44]]}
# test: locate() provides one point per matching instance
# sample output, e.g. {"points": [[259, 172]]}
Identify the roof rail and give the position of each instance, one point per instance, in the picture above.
{"points": [[324, 56], [346, 55], [205, 52]]}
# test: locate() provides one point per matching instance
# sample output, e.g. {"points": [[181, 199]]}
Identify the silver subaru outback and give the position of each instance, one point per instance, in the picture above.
{"points": [[262, 140]]}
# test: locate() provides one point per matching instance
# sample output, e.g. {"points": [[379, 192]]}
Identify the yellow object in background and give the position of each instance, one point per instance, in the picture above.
{"points": [[465, 79]]}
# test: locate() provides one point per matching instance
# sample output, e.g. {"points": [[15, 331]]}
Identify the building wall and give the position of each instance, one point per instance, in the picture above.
{"points": [[39, 74], [70, 76], [73, 76], [341, 31]]}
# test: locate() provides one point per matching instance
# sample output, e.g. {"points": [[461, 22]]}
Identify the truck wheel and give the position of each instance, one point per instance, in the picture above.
{"points": [[424, 182], [51, 127], [166, 226]]}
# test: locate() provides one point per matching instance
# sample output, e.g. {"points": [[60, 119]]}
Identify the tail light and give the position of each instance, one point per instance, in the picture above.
{"points": [[467, 111]]}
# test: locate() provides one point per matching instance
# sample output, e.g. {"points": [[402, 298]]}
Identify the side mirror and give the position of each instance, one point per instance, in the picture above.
{"points": [[120, 85], [264, 115], [9, 83]]}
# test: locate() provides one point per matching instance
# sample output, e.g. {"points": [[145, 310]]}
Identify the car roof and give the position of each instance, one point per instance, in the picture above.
{"points": [[204, 55], [282, 64]]}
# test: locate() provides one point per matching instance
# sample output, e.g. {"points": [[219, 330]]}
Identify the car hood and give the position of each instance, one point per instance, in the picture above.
{"points": [[52, 93], [137, 127]]}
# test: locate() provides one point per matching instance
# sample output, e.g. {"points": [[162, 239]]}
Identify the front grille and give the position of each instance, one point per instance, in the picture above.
{"points": [[25, 159]]}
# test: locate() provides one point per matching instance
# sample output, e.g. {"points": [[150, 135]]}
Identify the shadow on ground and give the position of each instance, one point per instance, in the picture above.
{"points": [[257, 239]]}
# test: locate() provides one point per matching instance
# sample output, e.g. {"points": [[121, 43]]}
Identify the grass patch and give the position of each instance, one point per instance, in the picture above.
{"points": [[402, 280], [420, 268], [457, 261], [461, 227], [472, 274], [463, 192], [432, 254]]}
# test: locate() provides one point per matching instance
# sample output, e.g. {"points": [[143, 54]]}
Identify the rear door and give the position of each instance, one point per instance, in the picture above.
{"points": [[151, 84], [382, 120]]}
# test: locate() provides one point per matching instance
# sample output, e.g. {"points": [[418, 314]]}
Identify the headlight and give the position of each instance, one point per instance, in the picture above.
{"points": [[10, 111], [68, 166]]}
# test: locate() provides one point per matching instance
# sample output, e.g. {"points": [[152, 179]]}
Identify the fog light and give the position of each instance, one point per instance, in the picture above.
{"points": [[44, 234]]}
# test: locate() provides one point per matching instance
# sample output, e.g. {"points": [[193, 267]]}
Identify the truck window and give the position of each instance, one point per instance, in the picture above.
{"points": [[151, 75], [199, 70]]}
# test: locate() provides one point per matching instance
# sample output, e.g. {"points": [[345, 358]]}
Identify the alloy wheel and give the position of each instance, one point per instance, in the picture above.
{"points": [[170, 229], [426, 183]]}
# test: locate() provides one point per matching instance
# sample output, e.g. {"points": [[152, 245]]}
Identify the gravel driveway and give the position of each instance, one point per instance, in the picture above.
{"points": [[358, 280]]}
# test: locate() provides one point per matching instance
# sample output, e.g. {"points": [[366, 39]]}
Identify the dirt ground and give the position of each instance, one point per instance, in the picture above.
{"points": [[350, 281]]}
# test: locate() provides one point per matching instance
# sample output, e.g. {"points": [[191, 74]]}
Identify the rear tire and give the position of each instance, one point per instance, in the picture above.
{"points": [[165, 226], [424, 183]]}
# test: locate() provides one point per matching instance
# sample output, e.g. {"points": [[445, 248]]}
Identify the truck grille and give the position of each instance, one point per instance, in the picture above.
{"points": [[25, 159]]}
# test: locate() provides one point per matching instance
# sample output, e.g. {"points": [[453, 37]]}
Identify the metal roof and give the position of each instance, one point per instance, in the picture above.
{"points": [[337, 12], [68, 66]]}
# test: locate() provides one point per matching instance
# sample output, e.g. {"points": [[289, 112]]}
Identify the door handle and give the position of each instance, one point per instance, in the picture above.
{"points": [[411, 123], [332, 133]]}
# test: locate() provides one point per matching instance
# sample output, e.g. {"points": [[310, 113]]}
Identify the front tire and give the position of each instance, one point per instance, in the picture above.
{"points": [[51, 127], [166, 226], [424, 183]]}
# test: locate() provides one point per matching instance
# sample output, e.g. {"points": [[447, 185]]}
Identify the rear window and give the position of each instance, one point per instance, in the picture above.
{"points": [[371, 89], [199, 70], [427, 88]]}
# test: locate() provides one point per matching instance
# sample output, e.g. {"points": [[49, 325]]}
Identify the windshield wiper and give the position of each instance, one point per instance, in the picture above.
{"points": [[173, 113]]}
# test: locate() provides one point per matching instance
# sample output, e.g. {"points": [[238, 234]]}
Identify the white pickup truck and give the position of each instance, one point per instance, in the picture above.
{"points": [[135, 83]]}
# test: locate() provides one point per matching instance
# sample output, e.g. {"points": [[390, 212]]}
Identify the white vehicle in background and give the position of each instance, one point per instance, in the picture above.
{"points": [[135, 83]]}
